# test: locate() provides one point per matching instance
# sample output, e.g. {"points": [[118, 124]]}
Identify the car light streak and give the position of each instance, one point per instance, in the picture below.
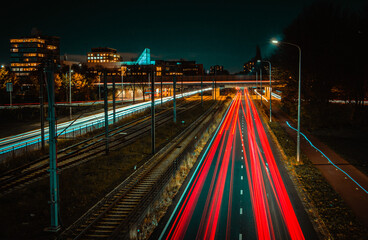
{"points": [[198, 176], [218, 164], [286, 207], [95, 121]]}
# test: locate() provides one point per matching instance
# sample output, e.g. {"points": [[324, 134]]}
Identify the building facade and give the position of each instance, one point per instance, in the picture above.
{"points": [[217, 69], [29, 53], [102, 56], [180, 67]]}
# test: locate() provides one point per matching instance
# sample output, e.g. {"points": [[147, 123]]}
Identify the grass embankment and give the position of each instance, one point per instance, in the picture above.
{"points": [[25, 213], [326, 208]]}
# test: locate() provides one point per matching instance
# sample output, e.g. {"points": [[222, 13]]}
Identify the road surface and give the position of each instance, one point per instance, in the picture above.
{"points": [[238, 189]]}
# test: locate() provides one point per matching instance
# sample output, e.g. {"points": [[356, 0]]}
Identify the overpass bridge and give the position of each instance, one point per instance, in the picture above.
{"points": [[223, 81]]}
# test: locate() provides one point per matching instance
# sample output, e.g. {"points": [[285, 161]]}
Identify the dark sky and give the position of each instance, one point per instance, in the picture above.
{"points": [[210, 32]]}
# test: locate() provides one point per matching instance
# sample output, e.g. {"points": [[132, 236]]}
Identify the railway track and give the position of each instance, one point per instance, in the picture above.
{"points": [[113, 216], [84, 150]]}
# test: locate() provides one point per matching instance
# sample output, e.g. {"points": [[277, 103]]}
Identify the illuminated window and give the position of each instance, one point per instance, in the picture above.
{"points": [[51, 47]]}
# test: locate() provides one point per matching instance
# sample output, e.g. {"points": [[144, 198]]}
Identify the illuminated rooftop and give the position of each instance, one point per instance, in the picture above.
{"points": [[144, 59]]}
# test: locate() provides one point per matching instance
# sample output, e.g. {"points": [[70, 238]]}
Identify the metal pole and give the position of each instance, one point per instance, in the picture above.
{"points": [[213, 88], [122, 86], [202, 91], [299, 93], [42, 109], [99, 87], [161, 90], [113, 99], [299, 87], [133, 90], [270, 73], [70, 92], [106, 115], [260, 77], [174, 99], [257, 83], [153, 114], [54, 178]]}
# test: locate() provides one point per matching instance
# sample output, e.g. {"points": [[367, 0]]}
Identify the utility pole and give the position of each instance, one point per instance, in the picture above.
{"points": [[213, 88], [123, 69], [182, 86], [99, 87], [70, 92], [54, 177], [106, 106], [257, 84], [174, 99], [113, 99], [153, 113], [215, 82], [261, 82], [42, 109], [134, 90], [202, 91], [161, 90]]}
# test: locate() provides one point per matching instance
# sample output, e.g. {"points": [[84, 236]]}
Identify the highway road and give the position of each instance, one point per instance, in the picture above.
{"points": [[81, 125], [238, 189]]}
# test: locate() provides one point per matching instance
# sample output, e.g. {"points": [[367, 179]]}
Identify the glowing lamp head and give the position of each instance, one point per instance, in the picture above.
{"points": [[274, 41]]}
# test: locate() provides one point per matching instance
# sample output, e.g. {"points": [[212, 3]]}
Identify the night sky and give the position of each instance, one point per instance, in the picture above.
{"points": [[209, 32]]}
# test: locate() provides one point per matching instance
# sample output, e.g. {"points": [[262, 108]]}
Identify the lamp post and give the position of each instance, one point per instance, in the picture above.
{"points": [[299, 86], [70, 92]]}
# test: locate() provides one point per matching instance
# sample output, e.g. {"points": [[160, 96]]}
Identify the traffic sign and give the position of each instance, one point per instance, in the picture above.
{"points": [[9, 87]]}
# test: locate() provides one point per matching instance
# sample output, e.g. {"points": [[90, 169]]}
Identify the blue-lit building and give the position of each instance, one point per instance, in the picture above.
{"points": [[143, 65]]}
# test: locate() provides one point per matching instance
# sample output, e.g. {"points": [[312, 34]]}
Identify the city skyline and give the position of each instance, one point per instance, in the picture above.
{"points": [[212, 34]]}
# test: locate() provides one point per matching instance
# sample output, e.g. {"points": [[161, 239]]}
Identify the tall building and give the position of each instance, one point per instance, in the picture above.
{"points": [[27, 54]]}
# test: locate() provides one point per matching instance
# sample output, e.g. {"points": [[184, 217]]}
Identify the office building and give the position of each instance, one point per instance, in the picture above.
{"points": [[27, 54]]}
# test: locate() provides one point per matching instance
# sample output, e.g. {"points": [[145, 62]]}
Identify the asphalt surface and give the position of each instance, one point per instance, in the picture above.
{"points": [[238, 189]]}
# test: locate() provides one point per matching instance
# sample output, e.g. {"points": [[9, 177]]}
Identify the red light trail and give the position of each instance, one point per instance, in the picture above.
{"points": [[214, 184]]}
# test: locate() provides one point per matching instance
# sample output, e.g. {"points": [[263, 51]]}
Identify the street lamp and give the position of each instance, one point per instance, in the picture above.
{"points": [[274, 41]]}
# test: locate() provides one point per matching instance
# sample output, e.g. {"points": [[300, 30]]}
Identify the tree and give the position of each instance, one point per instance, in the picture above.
{"points": [[6, 76]]}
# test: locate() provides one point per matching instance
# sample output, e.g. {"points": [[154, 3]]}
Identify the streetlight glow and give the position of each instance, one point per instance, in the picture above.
{"points": [[299, 93]]}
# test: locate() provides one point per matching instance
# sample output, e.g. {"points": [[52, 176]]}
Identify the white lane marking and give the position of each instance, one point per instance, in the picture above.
{"points": [[241, 166], [241, 211], [241, 177], [241, 192], [240, 236], [241, 157]]}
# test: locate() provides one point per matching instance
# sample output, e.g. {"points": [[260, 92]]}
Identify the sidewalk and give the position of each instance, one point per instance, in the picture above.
{"points": [[351, 193]]}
